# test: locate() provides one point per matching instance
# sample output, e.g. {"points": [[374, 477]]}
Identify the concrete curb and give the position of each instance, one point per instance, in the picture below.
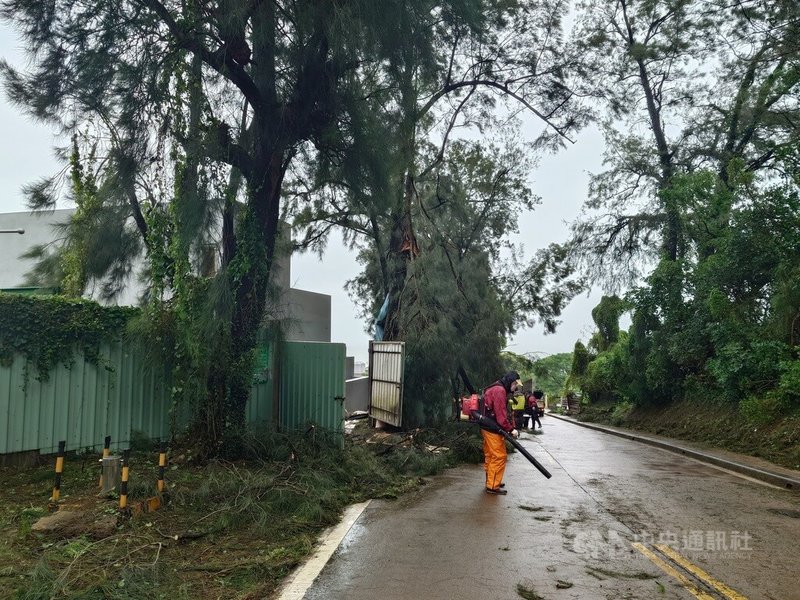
{"points": [[778, 479]]}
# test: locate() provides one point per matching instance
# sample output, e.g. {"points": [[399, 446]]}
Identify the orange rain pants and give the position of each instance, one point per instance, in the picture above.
{"points": [[494, 458]]}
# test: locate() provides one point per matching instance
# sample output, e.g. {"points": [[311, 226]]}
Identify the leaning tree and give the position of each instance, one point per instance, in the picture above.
{"points": [[391, 188]]}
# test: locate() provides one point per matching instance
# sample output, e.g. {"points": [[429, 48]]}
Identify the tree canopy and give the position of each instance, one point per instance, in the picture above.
{"points": [[697, 210], [196, 126]]}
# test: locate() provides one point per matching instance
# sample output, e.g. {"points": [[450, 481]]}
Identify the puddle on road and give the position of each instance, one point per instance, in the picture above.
{"points": [[354, 535]]}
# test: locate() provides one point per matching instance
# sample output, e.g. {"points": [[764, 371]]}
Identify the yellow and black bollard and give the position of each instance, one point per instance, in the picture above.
{"points": [[106, 452], [123, 487], [162, 464], [59, 470]]}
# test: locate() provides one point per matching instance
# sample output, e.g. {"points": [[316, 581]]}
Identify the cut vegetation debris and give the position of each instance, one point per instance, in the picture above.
{"points": [[229, 530], [527, 593], [602, 574]]}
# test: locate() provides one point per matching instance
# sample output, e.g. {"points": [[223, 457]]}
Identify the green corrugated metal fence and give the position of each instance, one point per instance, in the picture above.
{"points": [[312, 376], [81, 403], [84, 402]]}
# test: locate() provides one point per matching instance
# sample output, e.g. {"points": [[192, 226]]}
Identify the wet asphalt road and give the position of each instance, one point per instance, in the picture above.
{"points": [[615, 514]]}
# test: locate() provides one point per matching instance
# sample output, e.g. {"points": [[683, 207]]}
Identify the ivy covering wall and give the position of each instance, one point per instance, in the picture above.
{"points": [[47, 330]]}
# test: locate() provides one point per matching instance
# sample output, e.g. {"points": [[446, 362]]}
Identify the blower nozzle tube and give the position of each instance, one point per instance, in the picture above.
{"points": [[492, 425]]}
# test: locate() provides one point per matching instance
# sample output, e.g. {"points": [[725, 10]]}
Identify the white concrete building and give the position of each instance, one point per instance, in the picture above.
{"points": [[305, 315]]}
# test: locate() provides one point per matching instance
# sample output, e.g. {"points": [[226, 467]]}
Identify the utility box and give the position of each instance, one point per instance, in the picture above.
{"points": [[112, 473]]}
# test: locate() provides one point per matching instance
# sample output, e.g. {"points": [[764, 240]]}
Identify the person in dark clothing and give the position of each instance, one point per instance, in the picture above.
{"points": [[532, 409]]}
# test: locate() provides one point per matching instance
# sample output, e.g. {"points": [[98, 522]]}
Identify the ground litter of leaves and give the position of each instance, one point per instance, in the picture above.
{"points": [[228, 530]]}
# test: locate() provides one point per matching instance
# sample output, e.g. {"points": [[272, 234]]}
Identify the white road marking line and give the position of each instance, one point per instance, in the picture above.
{"points": [[298, 583]]}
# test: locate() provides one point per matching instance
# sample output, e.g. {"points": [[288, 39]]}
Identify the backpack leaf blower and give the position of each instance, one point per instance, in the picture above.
{"points": [[492, 425]]}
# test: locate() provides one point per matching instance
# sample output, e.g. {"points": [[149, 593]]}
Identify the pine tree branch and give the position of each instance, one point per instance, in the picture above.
{"points": [[218, 60], [440, 154], [222, 149], [502, 87], [138, 217]]}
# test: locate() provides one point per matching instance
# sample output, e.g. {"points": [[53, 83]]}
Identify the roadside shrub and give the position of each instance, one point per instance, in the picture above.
{"points": [[789, 384], [760, 410], [621, 412], [747, 369], [607, 375]]}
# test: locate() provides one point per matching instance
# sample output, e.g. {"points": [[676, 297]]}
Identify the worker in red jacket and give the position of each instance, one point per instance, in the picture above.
{"points": [[532, 409], [494, 445]]}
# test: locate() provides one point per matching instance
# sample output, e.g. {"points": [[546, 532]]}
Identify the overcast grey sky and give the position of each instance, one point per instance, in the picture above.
{"points": [[26, 154]]}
